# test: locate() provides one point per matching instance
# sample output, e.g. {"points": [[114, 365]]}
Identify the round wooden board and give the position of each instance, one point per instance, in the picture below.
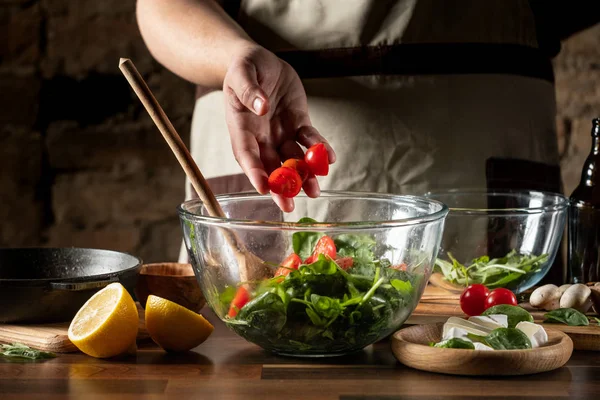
{"points": [[411, 348]]}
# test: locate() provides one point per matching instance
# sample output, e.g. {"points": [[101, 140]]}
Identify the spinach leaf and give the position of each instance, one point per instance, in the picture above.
{"points": [[402, 286], [355, 246], [323, 266], [507, 271], [507, 339], [20, 351], [455, 343], [266, 313], [515, 314], [568, 316], [304, 242]]}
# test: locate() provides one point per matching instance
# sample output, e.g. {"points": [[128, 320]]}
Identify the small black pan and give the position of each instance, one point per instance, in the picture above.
{"points": [[40, 285]]}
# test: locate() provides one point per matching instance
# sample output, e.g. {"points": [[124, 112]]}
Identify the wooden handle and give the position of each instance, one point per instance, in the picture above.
{"points": [[165, 127]]}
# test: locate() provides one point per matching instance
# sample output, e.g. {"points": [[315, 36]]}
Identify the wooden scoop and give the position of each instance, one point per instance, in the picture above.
{"points": [[251, 267]]}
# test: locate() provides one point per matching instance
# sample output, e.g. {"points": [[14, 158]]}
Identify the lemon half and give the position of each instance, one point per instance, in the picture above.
{"points": [[174, 327], [107, 324]]}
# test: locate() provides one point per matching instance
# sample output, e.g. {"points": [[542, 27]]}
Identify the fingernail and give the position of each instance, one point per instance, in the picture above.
{"points": [[257, 105]]}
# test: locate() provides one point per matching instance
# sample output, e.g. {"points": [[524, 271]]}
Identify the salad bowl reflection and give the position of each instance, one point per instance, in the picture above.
{"points": [[340, 272], [504, 238]]}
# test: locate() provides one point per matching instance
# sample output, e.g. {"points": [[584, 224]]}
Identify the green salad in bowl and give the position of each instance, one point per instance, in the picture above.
{"points": [[328, 288]]}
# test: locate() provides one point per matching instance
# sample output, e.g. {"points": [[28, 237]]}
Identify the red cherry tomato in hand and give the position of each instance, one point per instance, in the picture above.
{"points": [[300, 166], [324, 246], [285, 182], [317, 159], [242, 296], [293, 261], [472, 299], [500, 296]]}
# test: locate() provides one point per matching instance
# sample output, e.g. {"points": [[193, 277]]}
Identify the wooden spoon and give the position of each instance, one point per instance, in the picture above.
{"points": [[251, 267]]}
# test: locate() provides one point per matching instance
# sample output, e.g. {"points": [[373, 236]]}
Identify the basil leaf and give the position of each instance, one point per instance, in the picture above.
{"points": [[508, 339], [304, 242], [568, 316], [455, 343], [515, 314], [21, 351]]}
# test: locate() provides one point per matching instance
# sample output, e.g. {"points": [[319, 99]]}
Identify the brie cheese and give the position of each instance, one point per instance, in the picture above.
{"points": [[491, 321], [536, 333], [470, 327], [455, 332], [481, 346]]}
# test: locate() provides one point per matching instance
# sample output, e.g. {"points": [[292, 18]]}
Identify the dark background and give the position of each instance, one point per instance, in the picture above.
{"points": [[81, 163]]}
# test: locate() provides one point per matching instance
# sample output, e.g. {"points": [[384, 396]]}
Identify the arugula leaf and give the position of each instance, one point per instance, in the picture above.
{"points": [[21, 351], [304, 242], [568, 316], [515, 314], [455, 343]]}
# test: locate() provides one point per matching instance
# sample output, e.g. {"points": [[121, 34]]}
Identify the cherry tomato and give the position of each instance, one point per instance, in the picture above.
{"points": [[300, 166], [242, 296], [317, 159], [473, 298], [324, 246], [500, 296], [285, 181], [399, 267], [293, 261], [345, 262]]}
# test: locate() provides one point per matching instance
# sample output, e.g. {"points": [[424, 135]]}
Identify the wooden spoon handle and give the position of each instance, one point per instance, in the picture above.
{"points": [[171, 136]]}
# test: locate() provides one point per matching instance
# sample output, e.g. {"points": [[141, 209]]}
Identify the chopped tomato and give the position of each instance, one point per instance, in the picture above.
{"points": [[285, 181], [300, 166], [399, 267], [324, 246], [293, 261], [317, 159], [242, 296], [345, 262]]}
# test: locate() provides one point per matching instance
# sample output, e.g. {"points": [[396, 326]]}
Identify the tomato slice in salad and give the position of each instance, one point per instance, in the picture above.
{"points": [[285, 181], [324, 246], [292, 261], [317, 159], [300, 166], [242, 296], [345, 262]]}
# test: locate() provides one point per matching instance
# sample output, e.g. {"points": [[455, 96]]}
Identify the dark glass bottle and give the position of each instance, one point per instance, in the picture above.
{"points": [[584, 218]]}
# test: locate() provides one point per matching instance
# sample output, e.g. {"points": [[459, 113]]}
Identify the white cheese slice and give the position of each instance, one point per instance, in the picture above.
{"points": [[502, 319], [455, 332], [470, 327], [536, 333], [481, 346], [489, 322]]}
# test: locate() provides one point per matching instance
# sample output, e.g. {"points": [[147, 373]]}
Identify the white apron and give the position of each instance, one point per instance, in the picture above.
{"points": [[404, 93]]}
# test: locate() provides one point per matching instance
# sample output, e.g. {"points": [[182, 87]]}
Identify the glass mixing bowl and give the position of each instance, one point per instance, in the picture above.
{"points": [[385, 249], [500, 238]]}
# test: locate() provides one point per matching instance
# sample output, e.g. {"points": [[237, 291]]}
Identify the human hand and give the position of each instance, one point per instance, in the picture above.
{"points": [[267, 118]]}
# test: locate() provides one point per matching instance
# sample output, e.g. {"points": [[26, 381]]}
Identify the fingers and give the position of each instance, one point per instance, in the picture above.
{"points": [[286, 204], [243, 81], [247, 154], [308, 136]]}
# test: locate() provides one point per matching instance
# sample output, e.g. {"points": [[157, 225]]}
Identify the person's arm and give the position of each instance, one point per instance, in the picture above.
{"points": [[195, 39], [265, 103]]}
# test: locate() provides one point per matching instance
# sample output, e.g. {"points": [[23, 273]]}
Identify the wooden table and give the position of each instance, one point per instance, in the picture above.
{"points": [[227, 367]]}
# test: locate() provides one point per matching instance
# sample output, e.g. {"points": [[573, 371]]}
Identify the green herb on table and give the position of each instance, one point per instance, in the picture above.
{"points": [[321, 307], [455, 343], [493, 273], [504, 339], [597, 320], [20, 351], [568, 316], [515, 314]]}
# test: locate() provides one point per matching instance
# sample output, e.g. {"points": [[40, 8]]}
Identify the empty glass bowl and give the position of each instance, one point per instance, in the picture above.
{"points": [[500, 238], [374, 256]]}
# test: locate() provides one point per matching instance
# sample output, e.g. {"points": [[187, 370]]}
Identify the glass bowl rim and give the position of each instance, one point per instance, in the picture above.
{"points": [[318, 226], [560, 205]]}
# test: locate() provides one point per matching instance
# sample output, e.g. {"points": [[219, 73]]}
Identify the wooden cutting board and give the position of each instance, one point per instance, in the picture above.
{"points": [[438, 304], [51, 337]]}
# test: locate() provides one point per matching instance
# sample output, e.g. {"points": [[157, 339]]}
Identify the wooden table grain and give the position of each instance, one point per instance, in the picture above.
{"points": [[227, 367]]}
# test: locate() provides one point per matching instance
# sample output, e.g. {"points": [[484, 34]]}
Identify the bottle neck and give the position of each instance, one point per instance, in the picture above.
{"points": [[590, 175]]}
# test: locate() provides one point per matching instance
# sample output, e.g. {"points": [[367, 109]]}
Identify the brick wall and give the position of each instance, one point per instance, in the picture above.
{"points": [[81, 163]]}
